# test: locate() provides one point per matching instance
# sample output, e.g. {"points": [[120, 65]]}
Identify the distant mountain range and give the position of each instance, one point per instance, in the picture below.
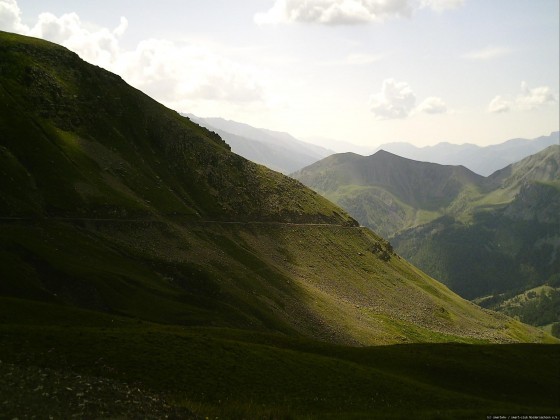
{"points": [[276, 150], [479, 235], [482, 160], [284, 153]]}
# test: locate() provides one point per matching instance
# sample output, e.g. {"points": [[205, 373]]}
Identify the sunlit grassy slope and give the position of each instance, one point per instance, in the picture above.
{"points": [[135, 246], [323, 282]]}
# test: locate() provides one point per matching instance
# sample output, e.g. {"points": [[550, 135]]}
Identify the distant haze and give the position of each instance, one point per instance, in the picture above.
{"points": [[285, 153], [276, 150]]}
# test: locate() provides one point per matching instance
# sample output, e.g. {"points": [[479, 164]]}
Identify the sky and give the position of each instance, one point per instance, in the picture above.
{"points": [[366, 72]]}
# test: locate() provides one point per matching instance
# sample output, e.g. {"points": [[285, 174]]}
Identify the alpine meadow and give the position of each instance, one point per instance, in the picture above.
{"points": [[157, 263]]}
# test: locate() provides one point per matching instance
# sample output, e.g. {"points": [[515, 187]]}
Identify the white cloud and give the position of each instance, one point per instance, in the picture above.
{"points": [[121, 29], [529, 99], [499, 105], [95, 44], [487, 53], [533, 98], [341, 12], [171, 72], [433, 105], [10, 17], [396, 100]]}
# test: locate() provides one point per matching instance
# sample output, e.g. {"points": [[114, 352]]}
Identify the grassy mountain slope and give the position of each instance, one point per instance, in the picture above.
{"points": [[537, 306], [542, 167], [505, 250], [509, 247], [134, 246]]}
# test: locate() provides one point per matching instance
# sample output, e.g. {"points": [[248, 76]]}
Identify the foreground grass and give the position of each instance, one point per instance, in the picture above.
{"points": [[230, 373]]}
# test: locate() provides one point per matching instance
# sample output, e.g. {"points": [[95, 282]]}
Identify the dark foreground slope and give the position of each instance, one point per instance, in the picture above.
{"points": [[63, 362], [138, 251]]}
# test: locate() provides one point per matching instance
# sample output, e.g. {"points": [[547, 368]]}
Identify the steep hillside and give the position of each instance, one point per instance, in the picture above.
{"points": [[79, 159], [513, 242], [137, 250], [482, 160], [540, 167], [537, 306], [276, 150]]}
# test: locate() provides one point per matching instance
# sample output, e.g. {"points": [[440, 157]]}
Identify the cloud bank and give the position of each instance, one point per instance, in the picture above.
{"points": [[528, 99], [441, 5], [346, 12]]}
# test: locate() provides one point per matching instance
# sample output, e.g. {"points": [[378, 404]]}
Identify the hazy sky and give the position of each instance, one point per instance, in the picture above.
{"points": [[361, 71]]}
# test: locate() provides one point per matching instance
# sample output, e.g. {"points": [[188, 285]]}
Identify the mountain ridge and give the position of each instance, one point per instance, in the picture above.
{"points": [[483, 160]]}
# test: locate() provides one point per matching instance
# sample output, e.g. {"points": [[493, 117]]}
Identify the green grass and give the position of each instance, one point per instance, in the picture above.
{"points": [[228, 372], [317, 281]]}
